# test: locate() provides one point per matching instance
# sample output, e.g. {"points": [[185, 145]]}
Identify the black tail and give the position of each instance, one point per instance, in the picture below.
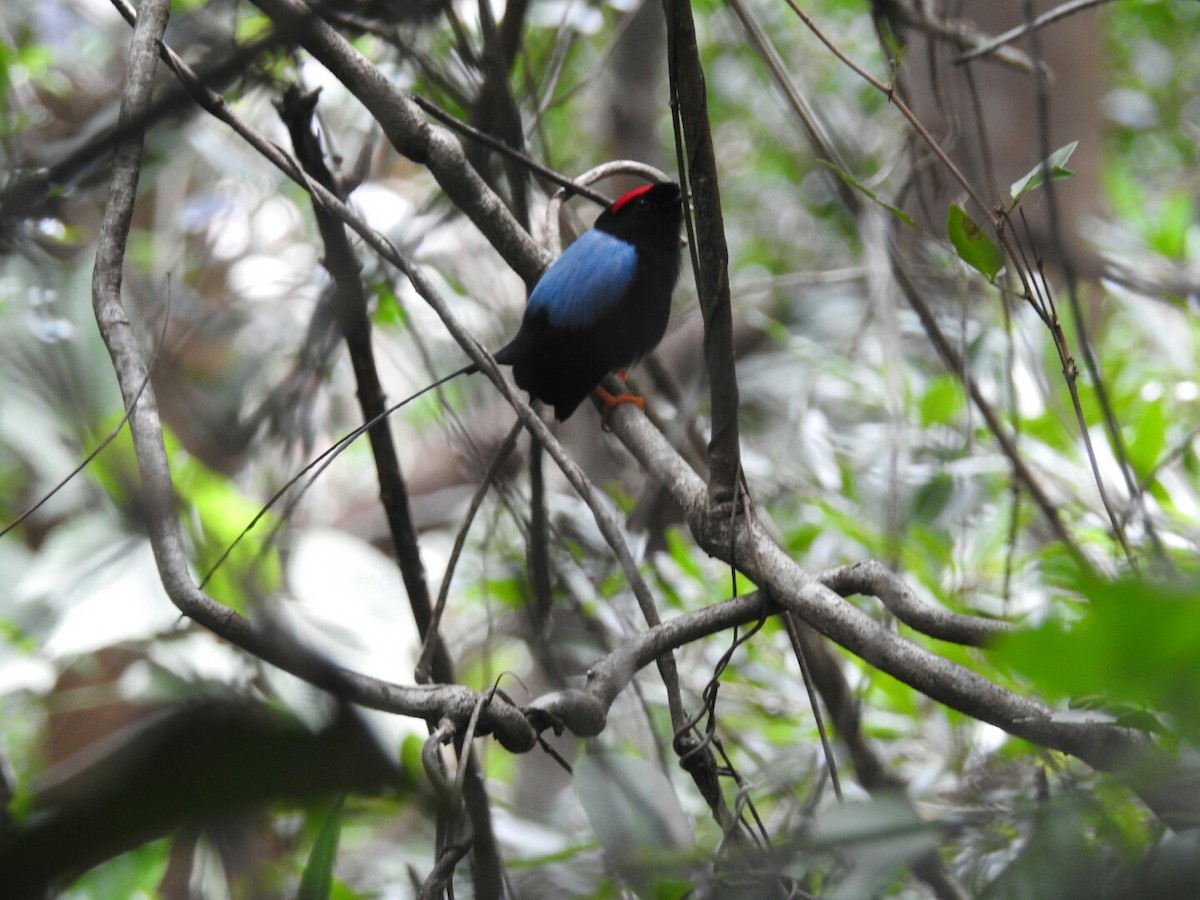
{"points": [[469, 369]]}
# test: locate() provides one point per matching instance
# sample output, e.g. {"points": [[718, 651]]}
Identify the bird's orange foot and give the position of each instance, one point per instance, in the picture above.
{"points": [[611, 402]]}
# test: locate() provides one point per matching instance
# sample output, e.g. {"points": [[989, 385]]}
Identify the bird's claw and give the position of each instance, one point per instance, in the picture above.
{"points": [[612, 401]]}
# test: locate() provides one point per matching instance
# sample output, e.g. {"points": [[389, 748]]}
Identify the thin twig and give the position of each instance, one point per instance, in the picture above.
{"points": [[1091, 363], [499, 458], [957, 31], [955, 363], [533, 165], [818, 136], [793, 630], [350, 306], [1053, 15], [889, 91]]}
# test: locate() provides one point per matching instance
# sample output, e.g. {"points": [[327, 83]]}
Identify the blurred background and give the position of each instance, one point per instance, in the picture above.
{"points": [[858, 442]]}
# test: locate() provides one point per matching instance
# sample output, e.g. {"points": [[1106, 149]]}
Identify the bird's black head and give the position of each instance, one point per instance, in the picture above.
{"points": [[653, 211]]}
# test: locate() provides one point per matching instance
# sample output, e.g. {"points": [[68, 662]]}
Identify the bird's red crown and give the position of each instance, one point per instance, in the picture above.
{"points": [[625, 198]]}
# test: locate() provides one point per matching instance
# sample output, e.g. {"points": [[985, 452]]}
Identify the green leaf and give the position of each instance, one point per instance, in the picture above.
{"points": [[868, 193], [1149, 434], [219, 516], [942, 401], [137, 873], [1136, 645], [633, 809], [252, 27], [1167, 228], [387, 310], [317, 881], [875, 839], [666, 889], [932, 498], [1058, 860], [1056, 162], [973, 246]]}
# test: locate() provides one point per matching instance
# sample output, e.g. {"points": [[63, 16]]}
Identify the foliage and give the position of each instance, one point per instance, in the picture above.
{"points": [[859, 441]]}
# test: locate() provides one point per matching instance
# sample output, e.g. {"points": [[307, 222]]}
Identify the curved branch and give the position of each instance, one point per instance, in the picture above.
{"points": [[270, 644], [1174, 794], [1099, 743], [873, 578], [412, 134], [790, 587], [439, 149], [584, 711]]}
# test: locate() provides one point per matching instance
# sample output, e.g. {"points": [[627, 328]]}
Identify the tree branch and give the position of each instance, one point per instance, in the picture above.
{"points": [[710, 254], [872, 579], [1171, 791], [411, 133], [1100, 743], [350, 307]]}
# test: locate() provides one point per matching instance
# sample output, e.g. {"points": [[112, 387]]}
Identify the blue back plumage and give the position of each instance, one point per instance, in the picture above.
{"points": [[587, 281]]}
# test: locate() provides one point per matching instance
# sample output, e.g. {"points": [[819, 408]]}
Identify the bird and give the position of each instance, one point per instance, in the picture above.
{"points": [[602, 306]]}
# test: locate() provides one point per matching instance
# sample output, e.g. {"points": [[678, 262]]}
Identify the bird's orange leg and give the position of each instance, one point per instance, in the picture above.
{"points": [[612, 401]]}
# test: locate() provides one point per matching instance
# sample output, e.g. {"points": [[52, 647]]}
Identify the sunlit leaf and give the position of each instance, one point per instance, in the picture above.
{"points": [[1168, 226], [387, 310], [1056, 162], [972, 244], [942, 401], [1104, 653]]}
